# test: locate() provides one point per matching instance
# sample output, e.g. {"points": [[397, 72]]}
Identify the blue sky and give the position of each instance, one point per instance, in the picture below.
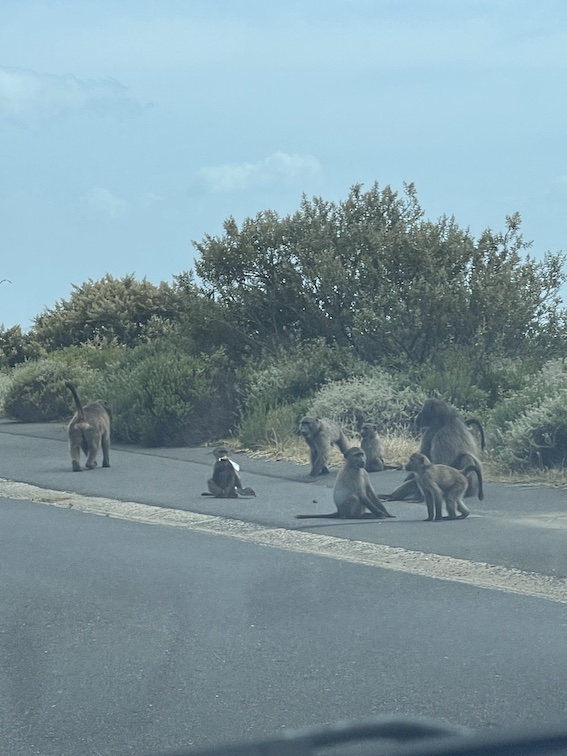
{"points": [[129, 128]]}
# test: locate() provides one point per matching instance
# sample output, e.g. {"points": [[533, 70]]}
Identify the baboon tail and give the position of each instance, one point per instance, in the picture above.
{"points": [[333, 516], [478, 426], [78, 404], [475, 469]]}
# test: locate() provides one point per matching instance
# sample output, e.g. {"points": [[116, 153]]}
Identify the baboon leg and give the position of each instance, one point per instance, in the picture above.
{"points": [[409, 490], [463, 509], [75, 452], [219, 492], [247, 491], [451, 507], [105, 443], [94, 446]]}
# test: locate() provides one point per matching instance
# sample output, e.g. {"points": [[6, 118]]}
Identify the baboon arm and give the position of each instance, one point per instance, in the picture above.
{"points": [[409, 490]]}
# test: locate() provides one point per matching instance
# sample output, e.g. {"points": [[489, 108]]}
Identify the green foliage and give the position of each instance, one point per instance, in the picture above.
{"points": [[296, 373], [17, 347], [371, 273], [162, 397], [110, 311], [530, 428], [378, 397], [37, 391], [271, 426]]}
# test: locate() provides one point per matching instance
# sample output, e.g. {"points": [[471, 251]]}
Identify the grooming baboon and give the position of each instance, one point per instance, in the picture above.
{"points": [[446, 440], [225, 482], [372, 446], [353, 493], [89, 430], [320, 433], [443, 483]]}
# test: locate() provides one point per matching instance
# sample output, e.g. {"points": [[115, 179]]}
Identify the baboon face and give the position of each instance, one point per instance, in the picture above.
{"points": [[368, 430], [356, 457], [308, 426], [416, 462]]}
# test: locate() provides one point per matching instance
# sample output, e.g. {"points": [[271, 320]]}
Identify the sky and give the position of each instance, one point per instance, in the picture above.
{"points": [[131, 128]]}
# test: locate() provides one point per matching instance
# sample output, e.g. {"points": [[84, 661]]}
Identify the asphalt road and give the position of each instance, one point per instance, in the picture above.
{"points": [[122, 637]]}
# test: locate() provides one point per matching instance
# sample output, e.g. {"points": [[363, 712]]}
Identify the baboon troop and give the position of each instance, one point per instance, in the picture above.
{"points": [[225, 482], [443, 484], [89, 430], [320, 433], [353, 493], [446, 440]]}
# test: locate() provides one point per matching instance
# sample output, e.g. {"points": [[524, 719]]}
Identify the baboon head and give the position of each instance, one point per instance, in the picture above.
{"points": [[433, 413], [368, 430], [355, 457], [308, 426], [417, 462]]}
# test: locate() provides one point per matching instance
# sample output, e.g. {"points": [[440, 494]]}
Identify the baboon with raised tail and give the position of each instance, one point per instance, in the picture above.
{"points": [[89, 431], [443, 484], [446, 440]]}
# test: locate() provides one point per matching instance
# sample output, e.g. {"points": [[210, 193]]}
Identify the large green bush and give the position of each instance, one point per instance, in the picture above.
{"points": [[37, 391], [162, 397]]}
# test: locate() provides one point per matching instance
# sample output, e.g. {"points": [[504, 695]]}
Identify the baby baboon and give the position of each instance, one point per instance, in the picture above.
{"points": [[443, 483], [353, 493], [225, 482], [446, 440], [320, 433], [88, 430]]}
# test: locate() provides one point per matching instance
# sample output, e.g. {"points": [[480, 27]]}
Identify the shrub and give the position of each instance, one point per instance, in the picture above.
{"points": [[376, 396], [161, 397], [37, 392], [275, 427], [530, 428]]}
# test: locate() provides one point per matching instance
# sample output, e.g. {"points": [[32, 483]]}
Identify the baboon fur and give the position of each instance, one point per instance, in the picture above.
{"points": [[225, 482], [320, 433], [353, 493], [446, 440], [89, 430], [442, 483]]}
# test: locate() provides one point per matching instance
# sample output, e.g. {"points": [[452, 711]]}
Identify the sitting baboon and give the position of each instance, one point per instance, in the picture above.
{"points": [[225, 482], [442, 483], [320, 433], [89, 430], [446, 440], [353, 493], [372, 446]]}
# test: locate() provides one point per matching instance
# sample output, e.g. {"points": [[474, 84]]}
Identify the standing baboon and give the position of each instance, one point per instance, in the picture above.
{"points": [[442, 483], [88, 430], [353, 493], [225, 482], [320, 433], [446, 440]]}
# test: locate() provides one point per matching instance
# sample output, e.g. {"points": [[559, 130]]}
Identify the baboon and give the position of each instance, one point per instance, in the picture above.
{"points": [[353, 493], [372, 446], [319, 433], [446, 440], [89, 430], [225, 482], [443, 483]]}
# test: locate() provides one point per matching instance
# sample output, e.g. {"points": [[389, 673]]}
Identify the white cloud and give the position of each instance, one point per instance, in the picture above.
{"points": [[274, 169], [107, 203], [27, 97]]}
